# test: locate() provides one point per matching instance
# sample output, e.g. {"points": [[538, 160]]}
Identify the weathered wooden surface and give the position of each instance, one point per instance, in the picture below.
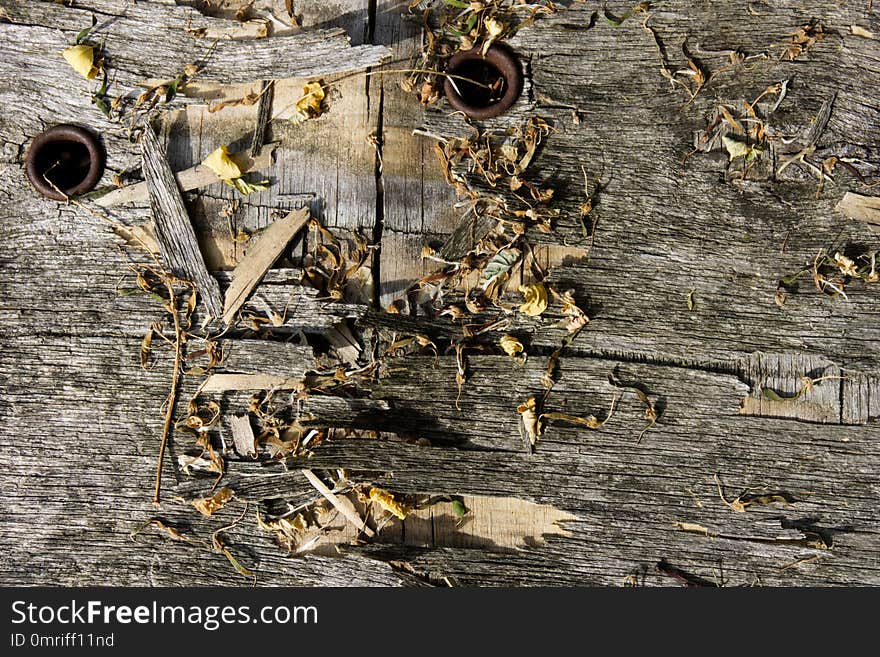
{"points": [[82, 419]]}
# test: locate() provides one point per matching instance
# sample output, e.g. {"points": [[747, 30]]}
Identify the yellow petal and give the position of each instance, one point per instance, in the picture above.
{"points": [[220, 163], [511, 345], [535, 299], [309, 106], [386, 500], [82, 59]]}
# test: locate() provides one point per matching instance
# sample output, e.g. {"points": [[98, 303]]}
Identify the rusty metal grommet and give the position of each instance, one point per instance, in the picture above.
{"points": [[71, 157], [499, 63]]}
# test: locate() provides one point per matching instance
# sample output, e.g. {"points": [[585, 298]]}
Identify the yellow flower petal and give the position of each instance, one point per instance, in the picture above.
{"points": [[220, 163], [386, 500], [82, 59], [309, 106], [535, 299], [511, 345]]}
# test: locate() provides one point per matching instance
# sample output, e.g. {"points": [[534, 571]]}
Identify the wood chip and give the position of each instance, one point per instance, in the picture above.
{"points": [[861, 31], [224, 382], [345, 509], [259, 258], [243, 436], [174, 230], [188, 179], [863, 208]]}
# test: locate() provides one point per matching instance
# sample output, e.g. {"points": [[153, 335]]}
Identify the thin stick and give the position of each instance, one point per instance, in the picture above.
{"points": [[350, 515], [172, 395]]}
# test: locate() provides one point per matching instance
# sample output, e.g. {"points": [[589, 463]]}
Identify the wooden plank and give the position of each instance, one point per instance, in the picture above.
{"points": [[254, 265], [72, 383], [175, 40], [416, 203], [863, 208], [174, 230]]}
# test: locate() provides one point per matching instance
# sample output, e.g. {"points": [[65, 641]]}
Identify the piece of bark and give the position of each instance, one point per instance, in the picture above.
{"points": [[863, 208], [174, 230], [243, 436], [226, 382], [264, 116], [259, 258], [188, 179]]}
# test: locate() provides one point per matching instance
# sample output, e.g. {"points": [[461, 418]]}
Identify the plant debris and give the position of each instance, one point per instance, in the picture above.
{"points": [[311, 105], [388, 502], [208, 506], [449, 26], [832, 275], [748, 498], [531, 420]]}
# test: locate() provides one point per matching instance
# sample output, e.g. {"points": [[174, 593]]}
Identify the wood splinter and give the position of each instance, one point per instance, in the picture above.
{"points": [[349, 513], [174, 230], [259, 258]]}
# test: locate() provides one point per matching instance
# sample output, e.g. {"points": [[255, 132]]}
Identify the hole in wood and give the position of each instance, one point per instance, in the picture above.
{"points": [[63, 161], [483, 86]]}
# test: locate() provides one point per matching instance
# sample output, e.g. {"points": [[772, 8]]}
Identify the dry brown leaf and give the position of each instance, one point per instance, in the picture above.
{"points": [[531, 421], [208, 506]]}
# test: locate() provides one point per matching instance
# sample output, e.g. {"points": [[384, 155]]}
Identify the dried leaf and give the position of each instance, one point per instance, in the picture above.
{"points": [[531, 421], [536, 301], [145, 349], [735, 148], [511, 345], [208, 506], [386, 500], [244, 187]]}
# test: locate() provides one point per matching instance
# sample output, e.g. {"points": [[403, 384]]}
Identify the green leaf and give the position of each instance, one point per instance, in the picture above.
{"points": [[791, 278], [735, 148], [772, 395], [172, 87], [82, 34], [499, 265], [612, 20], [101, 103], [244, 187]]}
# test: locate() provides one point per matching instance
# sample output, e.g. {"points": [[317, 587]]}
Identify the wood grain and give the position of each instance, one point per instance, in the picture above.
{"points": [[82, 418]]}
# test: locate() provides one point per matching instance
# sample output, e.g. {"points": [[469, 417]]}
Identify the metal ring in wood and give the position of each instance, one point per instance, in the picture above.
{"points": [[498, 57], [71, 157]]}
